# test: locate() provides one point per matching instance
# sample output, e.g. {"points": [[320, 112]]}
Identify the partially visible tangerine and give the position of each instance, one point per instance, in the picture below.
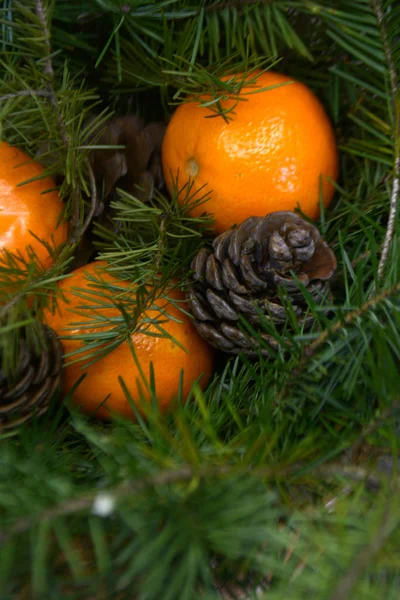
{"points": [[195, 360], [278, 152], [29, 212]]}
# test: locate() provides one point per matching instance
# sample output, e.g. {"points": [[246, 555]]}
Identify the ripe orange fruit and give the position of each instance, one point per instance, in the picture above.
{"points": [[268, 158], [167, 356], [27, 208]]}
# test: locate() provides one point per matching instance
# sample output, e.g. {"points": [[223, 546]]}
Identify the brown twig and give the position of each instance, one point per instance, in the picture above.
{"points": [[49, 71], [362, 256], [376, 4], [44, 93]]}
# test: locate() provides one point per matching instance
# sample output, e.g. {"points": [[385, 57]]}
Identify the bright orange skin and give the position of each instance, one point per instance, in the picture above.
{"points": [[102, 377], [267, 158], [27, 208]]}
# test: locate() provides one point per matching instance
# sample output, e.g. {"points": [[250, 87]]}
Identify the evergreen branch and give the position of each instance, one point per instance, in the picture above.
{"points": [[49, 71], [376, 4], [85, 502], [78, 232], [43, 93], [346, 585], [371, 428], [311, 350], [361, 257], [241, 4]]}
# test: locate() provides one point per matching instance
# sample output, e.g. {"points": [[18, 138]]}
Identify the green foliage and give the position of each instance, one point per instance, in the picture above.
{"points": [[272, 479]]}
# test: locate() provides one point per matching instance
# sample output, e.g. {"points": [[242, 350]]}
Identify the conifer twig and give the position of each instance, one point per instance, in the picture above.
{"points": [[312, 348], [376, 4], [346, 585], [22, 93], [186, 473], [235, 4], [77, 231], [49, 71]]}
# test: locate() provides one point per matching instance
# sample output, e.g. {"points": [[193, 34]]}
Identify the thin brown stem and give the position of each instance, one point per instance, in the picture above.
{"points": [[22, 93], [362, 256], [76, 231], [377, 7], [48, 71]]}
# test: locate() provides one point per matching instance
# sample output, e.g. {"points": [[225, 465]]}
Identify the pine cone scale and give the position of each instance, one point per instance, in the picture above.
{"points": [[221, 307], [230, 279], [215, 338], [253, 282], [213, 273], [38, 378]]}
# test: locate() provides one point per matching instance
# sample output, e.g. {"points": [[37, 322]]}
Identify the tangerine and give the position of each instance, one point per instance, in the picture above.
{"points": [[268, 157], [32, 208], [184, 351]]}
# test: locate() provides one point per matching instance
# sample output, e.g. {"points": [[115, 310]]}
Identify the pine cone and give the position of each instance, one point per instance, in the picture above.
{"points": [[37, 379], [244, 272], [137, 167]]}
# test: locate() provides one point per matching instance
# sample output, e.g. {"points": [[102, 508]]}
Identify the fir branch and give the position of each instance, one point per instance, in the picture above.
{"points": [[77, 231], [48, 71], [376, 4], [361, 257], [313, 348], [86, 501], [241, 4], [377, 7], [126, 489], [373, 426], [346, 585], [22, 93]]}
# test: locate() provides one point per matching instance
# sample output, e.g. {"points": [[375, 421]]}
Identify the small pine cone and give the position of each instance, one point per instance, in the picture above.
{"points": [[242, 275], [37, 379], [135, 168]]}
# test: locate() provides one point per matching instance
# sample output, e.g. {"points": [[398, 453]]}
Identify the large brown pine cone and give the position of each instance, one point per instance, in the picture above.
{"points": [[242, 276], [38, 377]]}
